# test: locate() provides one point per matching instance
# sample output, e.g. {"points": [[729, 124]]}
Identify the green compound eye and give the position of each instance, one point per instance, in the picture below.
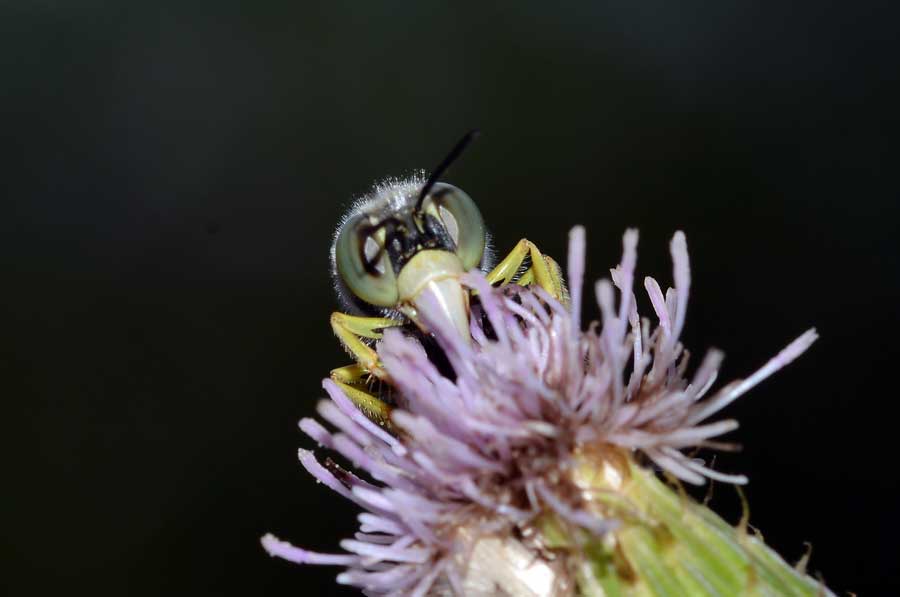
{"points": [[354, 249], [462, 220]]}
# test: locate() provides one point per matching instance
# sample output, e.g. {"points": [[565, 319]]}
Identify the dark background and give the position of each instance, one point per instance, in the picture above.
{"points": [[172, 175]]}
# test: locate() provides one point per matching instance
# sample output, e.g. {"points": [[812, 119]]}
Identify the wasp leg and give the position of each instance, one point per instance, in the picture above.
{"points": [[544, 271], [353, 381], [351, 329]]}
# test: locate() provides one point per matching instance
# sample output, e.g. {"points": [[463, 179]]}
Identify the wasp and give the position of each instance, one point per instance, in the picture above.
{"points": [[408, 240]]}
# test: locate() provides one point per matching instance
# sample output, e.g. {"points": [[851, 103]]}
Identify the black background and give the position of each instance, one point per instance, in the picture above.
{"points": [[172, 175]]}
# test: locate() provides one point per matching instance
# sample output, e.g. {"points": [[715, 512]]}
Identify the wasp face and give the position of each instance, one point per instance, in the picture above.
{"points": [[399, 252]]}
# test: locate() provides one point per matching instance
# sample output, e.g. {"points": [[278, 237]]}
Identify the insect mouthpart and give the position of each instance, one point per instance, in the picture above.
{"points": [[431, 293]]}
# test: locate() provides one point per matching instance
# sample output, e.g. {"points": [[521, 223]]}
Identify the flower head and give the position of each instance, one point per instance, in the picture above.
{"points": [[495, 446]]}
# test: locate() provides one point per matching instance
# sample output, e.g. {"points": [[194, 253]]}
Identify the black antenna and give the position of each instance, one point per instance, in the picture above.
{"points": [[446, 163]]}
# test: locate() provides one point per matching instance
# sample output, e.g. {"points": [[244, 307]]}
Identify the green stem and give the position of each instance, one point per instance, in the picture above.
{"points": [[668, 545]]}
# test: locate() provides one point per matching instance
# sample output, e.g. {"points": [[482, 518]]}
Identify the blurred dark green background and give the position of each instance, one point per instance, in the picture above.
{"points": [[171, 177]]}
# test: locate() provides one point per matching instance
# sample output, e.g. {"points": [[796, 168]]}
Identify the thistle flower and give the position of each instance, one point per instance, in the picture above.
{"points": [[518, 471]]}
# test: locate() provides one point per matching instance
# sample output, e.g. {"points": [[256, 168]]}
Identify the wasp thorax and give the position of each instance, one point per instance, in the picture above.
{"points": [[393, 245]]}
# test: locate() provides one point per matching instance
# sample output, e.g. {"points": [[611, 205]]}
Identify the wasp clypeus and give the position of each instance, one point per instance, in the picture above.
{"points": [[407, 240]]}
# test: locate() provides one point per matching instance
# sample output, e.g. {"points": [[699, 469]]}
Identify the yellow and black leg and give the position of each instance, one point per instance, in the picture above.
{"points": [[357, 383], [351, 331], [358, 380], [543, 271]]}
